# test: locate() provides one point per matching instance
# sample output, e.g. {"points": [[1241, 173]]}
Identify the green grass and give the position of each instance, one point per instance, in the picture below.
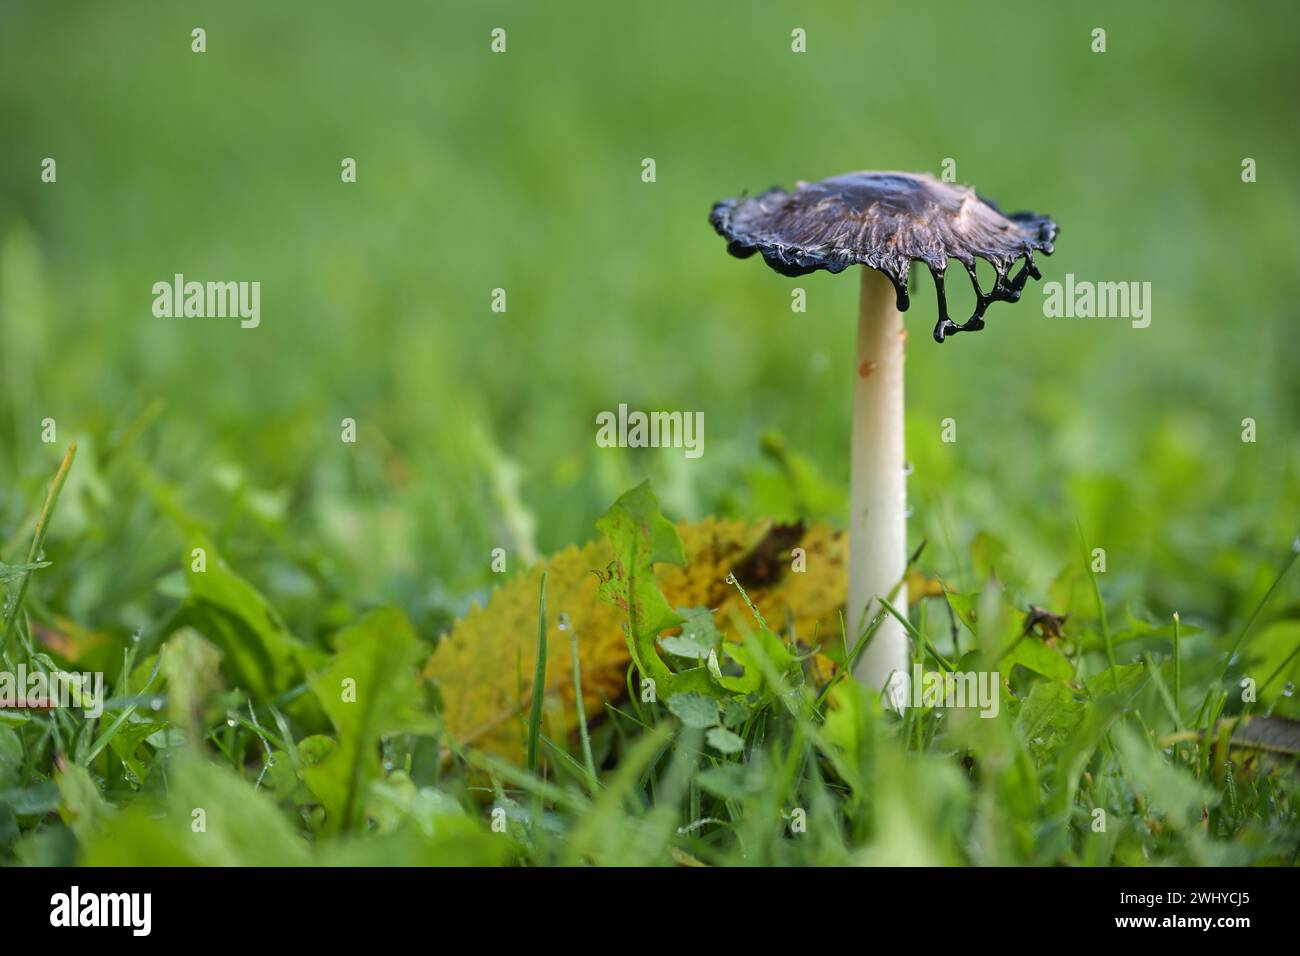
{"points": [[475, 429]]}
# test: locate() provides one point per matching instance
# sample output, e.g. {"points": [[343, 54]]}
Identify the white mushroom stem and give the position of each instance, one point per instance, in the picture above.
{"points": [[878, 526]]}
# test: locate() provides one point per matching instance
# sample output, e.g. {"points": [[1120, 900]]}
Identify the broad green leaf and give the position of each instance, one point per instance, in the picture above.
{"points": [[1099, 717], [1120, 679], [1169, 788], [731, 781], [37, 799], [1031, 653], [1048, 716], [80, 805], [459, 843], [681, 646], [213, 818], [919, 804], [641, 537], [736, 712], [256, 643], [699, 625], [759, 645], [694, 710], [191, 667], [134, 731], [724, 741], [371, 688], [1136, 628], [418, 826], [965, 607], [699, 635], [846, 733], [1053, 712]]}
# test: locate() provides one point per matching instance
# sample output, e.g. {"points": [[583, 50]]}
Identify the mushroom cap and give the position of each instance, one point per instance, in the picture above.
{"points": [[884, 220]]}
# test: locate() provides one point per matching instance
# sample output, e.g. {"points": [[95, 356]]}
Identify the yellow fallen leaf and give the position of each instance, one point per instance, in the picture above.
{"points": [[484, 666], [920, 585]]}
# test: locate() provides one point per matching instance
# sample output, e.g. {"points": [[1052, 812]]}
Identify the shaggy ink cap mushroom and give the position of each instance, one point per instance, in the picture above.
{"points": [[885, 220]]}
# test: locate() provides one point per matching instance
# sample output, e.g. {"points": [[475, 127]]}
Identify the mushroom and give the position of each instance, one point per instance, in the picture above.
{"points": [[885, 220]]}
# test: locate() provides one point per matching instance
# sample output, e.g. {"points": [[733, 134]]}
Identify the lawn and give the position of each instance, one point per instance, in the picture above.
{"points": [[267, 535]]}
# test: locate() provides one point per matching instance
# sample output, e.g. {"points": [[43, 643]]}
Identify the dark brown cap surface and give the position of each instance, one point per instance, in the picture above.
{"points": [[886, 220]]}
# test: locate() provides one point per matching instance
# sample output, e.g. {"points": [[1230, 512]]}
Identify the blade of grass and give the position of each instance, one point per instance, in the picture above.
{"points": [[1280, 669], [588, 762], [539, 682], [621, 804], [1101, 607], [568, 798], [1254, 615], [1171, 703], [1178, 668], [38, 540], [565, 761], [851, 657], [1250, 622], [122, 718], [920, 638]]}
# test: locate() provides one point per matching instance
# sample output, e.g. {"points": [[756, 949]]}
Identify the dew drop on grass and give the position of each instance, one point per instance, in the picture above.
{"points": [[1288, 689], [907, 468], [156, 704]]}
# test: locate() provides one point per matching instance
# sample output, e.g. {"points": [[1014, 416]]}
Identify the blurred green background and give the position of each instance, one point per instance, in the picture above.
{"points": [[523, 171]]}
